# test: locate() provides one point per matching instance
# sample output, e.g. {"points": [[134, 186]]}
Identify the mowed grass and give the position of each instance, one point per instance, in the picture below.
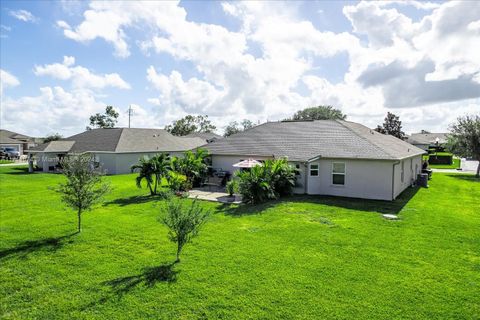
{"points": [[301, 258]]}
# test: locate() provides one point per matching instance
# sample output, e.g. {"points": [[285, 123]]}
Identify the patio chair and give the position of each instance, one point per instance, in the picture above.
{"points": [[214, 182]]}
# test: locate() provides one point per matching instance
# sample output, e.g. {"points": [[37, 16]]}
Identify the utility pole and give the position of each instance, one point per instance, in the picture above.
{"points": [[130, 114]]}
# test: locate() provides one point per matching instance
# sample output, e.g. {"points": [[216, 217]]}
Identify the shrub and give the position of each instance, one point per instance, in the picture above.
{"points": [[232, 187], [273, 179], [178, 182], [192, 165], [165, 193], [282, 176]]}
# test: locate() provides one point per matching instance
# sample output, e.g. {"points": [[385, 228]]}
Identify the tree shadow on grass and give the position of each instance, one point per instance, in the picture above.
{"points": [[27, 247], [14, 170], [380, 206], [149, 277], [248, 209], [133, 200], [466, 177]]}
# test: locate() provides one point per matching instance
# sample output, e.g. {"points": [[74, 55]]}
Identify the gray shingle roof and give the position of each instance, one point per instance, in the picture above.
{"points": [[204, 135], [304, 140], [7, 136], [427, 138], [59, 146], [121, 140]]}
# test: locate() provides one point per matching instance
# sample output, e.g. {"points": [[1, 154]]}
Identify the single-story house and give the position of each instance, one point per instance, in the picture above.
{"points": [[114, 149], [427, 140], [332, 157], [19, 142]]}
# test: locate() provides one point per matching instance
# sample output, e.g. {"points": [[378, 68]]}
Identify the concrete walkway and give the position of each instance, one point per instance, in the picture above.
{"points": [[452, 171], [215, 196]]}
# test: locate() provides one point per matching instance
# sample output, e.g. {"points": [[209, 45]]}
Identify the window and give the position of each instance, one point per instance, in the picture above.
{"points": [[314, 170], [297, 170], [338, 173]]}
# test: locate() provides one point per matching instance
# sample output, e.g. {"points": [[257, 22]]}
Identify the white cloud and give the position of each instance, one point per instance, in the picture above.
{"points": [[421, 5], [63, 24], [427, 70], [7, 80], [107, 20], [81, 77], [60, 110], [23, 15]]}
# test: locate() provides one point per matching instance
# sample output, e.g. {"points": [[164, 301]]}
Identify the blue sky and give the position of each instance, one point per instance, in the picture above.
{"points": [[63, 60]]}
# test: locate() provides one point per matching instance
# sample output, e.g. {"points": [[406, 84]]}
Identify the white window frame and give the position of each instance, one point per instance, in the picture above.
{"points": [[340, 173], [317, 169]]}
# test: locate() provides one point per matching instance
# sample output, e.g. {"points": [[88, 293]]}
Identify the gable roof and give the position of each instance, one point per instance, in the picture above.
{"points": [[305, 140], [207, 136], [427, 138], [121, 140], [7, 136]]}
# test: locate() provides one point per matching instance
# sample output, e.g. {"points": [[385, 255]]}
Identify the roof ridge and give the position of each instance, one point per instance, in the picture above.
{"points": [[364, 138], [119, 138]]}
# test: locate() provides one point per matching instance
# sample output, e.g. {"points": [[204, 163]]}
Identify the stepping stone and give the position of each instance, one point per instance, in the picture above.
{"points": [[390, 216]]}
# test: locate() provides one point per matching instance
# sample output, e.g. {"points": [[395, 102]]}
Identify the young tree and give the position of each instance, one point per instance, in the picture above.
{"points": [[234, 127], [392, 126], [464, 138], [319, 113], [190, 124], [106, 120], [52, 137], [183, 222], [84, 186]]}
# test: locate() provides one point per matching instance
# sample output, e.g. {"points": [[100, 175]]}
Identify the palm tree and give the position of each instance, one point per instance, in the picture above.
{"points": [[161, 168], [192, 165], [145, 171]]}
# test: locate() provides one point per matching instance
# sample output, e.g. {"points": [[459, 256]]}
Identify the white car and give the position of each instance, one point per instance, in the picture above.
{"points": [[11, 153]]}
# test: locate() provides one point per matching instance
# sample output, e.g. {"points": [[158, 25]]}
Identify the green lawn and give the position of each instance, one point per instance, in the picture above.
{"points": [[304, 257], [3, 161]]}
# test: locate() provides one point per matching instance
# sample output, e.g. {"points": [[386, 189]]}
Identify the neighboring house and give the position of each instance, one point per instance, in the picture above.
{"points": [[332, 157], [207, 136], [115, 149], [18, 141], [427, 140]]}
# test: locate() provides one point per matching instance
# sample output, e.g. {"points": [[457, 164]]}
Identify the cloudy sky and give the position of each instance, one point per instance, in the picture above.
{"points": [[63, 61]]}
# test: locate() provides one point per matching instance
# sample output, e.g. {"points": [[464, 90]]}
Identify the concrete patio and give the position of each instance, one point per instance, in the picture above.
{"points": [[217, 195]]}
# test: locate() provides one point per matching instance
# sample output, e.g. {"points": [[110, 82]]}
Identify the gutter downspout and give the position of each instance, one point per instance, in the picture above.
{"points": [[393, 179], [305, 165]]}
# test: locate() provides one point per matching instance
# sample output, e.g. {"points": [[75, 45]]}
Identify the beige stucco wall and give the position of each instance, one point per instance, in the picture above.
{"points": [[367, 179], [120, 163], [410, 175], [45, 160]]}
